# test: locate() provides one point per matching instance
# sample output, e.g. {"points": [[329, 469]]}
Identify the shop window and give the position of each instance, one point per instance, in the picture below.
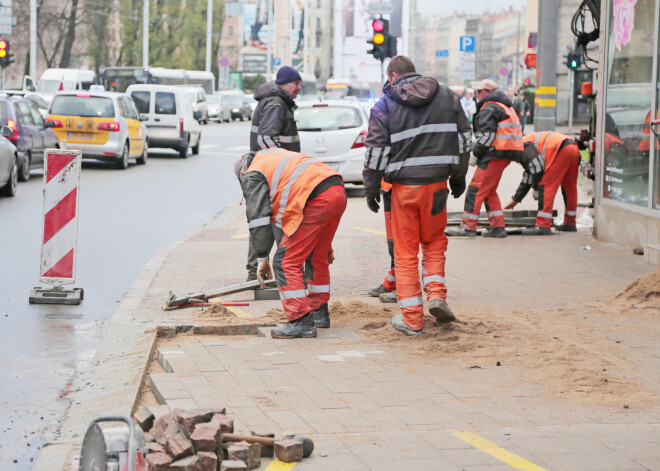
{"points": [[628, 101]]}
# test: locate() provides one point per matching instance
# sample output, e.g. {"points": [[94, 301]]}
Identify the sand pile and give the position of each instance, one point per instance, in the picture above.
{"points": [[645, 291]]}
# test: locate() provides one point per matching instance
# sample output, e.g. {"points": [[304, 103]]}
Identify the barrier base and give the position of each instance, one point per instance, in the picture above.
{"points": [[39, 295], [268, 294]]}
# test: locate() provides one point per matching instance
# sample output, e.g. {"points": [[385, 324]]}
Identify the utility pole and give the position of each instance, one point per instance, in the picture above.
{"points": [[516, 62], [269, 52], [545, 111], [209, 28], [33, 39], [145, 35]]}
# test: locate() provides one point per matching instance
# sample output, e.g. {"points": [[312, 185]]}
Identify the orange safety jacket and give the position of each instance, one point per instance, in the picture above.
{"points": [[547, 143], [645, 143], [291, 178], [509, 130]]}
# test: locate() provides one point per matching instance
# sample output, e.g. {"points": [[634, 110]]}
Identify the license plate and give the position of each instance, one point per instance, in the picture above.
{"points": [[333, 165], [80, 135]]}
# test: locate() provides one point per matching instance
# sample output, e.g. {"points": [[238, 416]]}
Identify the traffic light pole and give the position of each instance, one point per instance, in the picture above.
{"points": [[145, 35], [382, 71], [571, 86], [33, 39], [545, 111]]}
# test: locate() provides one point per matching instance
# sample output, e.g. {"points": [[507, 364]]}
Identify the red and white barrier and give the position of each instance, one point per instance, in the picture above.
{"points": [[60, 224]]}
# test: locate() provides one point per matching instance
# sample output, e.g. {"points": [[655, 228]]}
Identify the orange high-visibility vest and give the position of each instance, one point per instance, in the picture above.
{"points": [[509, 131], [547, 143], [384, 186], [645, 143], [291, 178]]}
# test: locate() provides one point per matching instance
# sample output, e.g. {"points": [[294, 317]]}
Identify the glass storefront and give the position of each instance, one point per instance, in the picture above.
{"points": [[629, 72]]}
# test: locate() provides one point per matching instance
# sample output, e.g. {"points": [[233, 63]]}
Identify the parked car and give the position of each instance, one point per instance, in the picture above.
{"points": [[197, 97], [30, 133], [8, 163], [103, 125], [169, 117], [218, 109], [240, 108], [335, 132]]}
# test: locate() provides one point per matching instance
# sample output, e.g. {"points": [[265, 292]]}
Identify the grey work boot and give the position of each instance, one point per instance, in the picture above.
{"points": [[399, 324], [565, 228], [321, 316], [537, 231], [302, 327], [498, 232], [460, 232], [441, 311], [375, 292], [389, 297], [252, 275]]}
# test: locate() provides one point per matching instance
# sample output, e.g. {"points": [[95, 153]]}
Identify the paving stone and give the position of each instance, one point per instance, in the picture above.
{"points": [[164, 429], [233, 465], [289, 450], [183, 404], [155, 447], [158, 461], [179, 446], [168, 390], [189, 463], [249, 453], [225, 422], [206, 436], [144, 418], [267, 451], [207, 461], [188, 419]]}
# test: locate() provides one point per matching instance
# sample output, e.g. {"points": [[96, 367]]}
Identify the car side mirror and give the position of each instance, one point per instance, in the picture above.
{"points": [[144, 117], [49, 123], [197, 114], [5, 131]]}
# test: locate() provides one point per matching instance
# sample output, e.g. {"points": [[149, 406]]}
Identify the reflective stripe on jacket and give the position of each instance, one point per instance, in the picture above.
{"points": [[291, 179], [509, 131]]}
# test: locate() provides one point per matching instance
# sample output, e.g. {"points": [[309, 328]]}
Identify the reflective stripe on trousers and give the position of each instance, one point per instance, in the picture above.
{"points": [[483, 190], [563, 173]]}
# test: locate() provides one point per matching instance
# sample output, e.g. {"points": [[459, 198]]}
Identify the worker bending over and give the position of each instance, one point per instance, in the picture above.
{"points": [[418, 138], [305, 199], [558, 161]]}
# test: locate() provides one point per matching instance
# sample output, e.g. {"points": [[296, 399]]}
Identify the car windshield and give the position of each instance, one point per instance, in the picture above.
{"points": [[89, 106], [212, 99], [234, 101], [327, 118], [53, 86]]}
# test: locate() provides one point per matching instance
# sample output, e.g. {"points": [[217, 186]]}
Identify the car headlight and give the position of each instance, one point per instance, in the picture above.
{"points": [[235, 110]]}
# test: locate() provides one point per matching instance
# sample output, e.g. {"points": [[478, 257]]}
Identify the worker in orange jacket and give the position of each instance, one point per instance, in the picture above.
{"points": [[558, 158], [304, 199], [386, 292]]}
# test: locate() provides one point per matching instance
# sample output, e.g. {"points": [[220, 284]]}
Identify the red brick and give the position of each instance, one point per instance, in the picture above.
{"points": [[226, 423], [186, 464], [206, 437], [164, 428], [289, 450], [233, 465], [179, 446], [158, 461], [208, 461]]}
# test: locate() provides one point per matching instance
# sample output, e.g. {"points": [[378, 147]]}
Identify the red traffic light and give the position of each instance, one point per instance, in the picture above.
{"points": [[378, 26]]}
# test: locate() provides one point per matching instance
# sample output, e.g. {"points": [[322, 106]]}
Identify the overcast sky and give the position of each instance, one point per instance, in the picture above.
{"points": [[439, 7]]}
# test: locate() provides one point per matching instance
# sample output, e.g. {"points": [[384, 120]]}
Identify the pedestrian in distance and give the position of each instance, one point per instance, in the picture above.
{"points": [[469, 106], [498, 142], [418, 139], [555, 166], [304, 199], [273, 126]]}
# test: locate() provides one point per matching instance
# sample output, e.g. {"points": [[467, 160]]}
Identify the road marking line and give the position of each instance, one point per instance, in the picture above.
{"points": [[369, 230], [278, 465], [495, 451], [239, 312], [240, 236]]}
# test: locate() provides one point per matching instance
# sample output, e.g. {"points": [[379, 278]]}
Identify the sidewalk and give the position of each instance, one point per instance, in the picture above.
{"points": [[544, 367]]}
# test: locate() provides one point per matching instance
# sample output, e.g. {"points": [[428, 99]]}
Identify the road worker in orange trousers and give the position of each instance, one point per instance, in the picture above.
{"points": [[304, 199], [386, 291], [558, 161], [418, 139]]}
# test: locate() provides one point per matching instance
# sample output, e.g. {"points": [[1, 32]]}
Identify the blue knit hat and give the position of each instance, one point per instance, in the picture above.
{"points": [[287, 74]]}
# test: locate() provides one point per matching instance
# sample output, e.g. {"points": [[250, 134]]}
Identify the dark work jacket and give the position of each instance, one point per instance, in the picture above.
{"points": [[273, 124], [485, 123], [418, 135]]}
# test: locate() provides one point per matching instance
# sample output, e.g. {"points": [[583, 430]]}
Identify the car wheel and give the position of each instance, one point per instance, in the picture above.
{"points": [[10, 188], [24, 172], [122, 163], [183, 151], [145, 155], [195, 148]]}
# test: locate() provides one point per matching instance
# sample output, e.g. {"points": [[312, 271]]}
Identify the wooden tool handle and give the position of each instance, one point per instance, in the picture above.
{"points": [[231, 437]]}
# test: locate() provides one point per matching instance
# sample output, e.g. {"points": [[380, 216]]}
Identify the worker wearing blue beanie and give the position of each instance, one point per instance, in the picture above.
{"points": [[287, 74]]}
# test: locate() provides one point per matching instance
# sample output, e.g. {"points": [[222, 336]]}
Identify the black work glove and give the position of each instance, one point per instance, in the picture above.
{"points": [[457, 187], [372, 202]]}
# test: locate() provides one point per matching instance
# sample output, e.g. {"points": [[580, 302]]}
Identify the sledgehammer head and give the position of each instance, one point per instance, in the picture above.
{"points": [[307, 443]]}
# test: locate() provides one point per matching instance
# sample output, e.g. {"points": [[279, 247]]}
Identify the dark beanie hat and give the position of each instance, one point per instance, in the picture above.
{"points": [[287, 74]]}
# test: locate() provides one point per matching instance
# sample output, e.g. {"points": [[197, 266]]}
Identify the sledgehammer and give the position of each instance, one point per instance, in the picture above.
{"points": [[308, 444]]}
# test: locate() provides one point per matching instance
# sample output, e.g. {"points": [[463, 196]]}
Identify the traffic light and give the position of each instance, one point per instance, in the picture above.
{"points": [[574, 59], [6, 56], [384, 44]]}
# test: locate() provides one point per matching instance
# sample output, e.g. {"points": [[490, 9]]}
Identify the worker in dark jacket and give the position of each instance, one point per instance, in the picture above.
{"points": [[498, 142], [273, 126], [555, 166], [304, 199], [419, 137]]}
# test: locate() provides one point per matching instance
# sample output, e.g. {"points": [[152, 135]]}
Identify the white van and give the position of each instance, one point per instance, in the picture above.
{"points": [[170, 121], [52, 80]]}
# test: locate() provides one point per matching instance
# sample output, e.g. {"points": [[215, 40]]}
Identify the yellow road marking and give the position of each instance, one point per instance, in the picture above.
{"points": [[368, 230], [495, 451], [546, 91], [240, 236], [239, 312], [278, 465]]}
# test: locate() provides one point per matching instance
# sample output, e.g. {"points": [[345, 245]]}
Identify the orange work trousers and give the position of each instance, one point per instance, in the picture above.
{"points": [[389, 283], [563, 172], [483, 190], [419, 217]]}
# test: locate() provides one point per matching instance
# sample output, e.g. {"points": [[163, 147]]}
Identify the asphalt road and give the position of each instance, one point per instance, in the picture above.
{"points": [[125, 217]]}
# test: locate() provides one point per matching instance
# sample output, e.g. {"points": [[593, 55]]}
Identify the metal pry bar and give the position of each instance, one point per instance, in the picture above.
{"points": [[175, 300]]}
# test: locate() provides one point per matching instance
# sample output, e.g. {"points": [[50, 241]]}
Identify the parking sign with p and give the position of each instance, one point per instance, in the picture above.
{"points": [[467, 43]]}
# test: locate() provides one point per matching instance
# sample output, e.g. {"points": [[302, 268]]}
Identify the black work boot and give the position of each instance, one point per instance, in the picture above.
{"points": [[252, 275], [321, 316], [302, 327], [375, 292], [498, 232], [565, 228], [536, 231], [460, 232]]}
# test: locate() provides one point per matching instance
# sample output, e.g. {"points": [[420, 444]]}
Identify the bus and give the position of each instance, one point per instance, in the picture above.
{"points": [[340, 88], [117, 79]]}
